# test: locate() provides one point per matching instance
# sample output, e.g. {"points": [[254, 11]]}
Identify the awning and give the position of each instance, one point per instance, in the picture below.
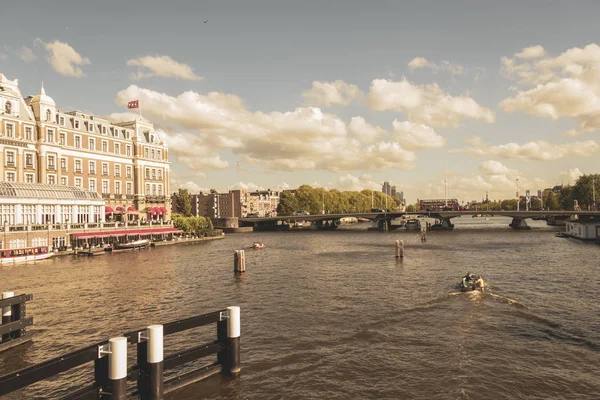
{"points": [[153, 211], [131, 208], [156, 211], [125, 232], [163, 210], [119, 208], [108, 210]]}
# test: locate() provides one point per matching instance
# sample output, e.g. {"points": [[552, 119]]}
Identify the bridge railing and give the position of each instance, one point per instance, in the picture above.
{"points": [[111, 374]]}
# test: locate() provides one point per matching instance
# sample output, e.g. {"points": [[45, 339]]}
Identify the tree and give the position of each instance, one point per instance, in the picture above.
{"points": [[583, 191], [183, 202], [552, 202]]}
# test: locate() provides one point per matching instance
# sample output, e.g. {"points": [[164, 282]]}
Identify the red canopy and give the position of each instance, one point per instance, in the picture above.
{"points": [[153, 211], [125, 232], [164, 210], [131, 208], [119, 208], [108, 210]]}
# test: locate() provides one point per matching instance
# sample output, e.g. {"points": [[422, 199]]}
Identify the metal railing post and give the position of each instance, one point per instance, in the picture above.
{"points": [[117, 368], [7, 315]]}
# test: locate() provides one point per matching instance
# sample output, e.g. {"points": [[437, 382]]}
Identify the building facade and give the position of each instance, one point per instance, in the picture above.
{"points": [[262, 203], [217, 205], [125, 162], [386, 188]]}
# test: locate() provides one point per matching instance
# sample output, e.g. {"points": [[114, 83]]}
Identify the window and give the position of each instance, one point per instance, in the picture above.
{"points": [[128, 151], [146, 152], [51, 179], [11, 176], [63, 180], [129, 188], [78, 166], [148, 189], [92, 144], [48, 115], [51, 162], [29, 178], [117, 187], [28, 160], [92, 167], [63, 139], [152, 153], [153, 173], [128, 169], [91, 127], [147, 173], [28, 133], [63, 164], [62, 121], [104, 130], [76, 124], [78, 142], [50, 135], [8, 107], [105, 187], [117, 170], [158, 154], [92, 185], [78, 182], [153, 190], [117, 148], [128, 134], [10, 130], [160, 190], [104, 145], [104, 169], [10, 158], [159, 174]]}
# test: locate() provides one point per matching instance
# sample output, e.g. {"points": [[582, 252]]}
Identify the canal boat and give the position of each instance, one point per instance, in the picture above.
{"points": [[413, 225], [12, 256], [258, 245], [467, 284], [135, 245]]}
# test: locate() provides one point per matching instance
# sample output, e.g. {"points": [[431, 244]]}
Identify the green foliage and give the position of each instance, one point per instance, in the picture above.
{"points": [[195, 225], [551, 201], [183, 202], [317, 200], [583, 191]]}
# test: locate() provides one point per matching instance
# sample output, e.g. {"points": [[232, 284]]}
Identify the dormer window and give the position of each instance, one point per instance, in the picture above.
{"points": [[8, 107], [48, 115], [76, 124]]}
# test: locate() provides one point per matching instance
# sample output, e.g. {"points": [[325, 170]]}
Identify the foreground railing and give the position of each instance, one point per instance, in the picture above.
{"points": [[14, 320], [111, 372]]}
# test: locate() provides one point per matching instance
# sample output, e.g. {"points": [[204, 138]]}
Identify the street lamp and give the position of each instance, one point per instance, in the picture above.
{"points": [[518, 199], [594, 193]]}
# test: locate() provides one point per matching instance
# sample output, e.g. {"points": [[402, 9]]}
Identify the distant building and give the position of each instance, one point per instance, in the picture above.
{"points": [[263, 203], [386, 188], [216, 205]]}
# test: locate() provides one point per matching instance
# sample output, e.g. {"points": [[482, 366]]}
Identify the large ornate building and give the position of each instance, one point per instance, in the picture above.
{"points": [[126, 162]]}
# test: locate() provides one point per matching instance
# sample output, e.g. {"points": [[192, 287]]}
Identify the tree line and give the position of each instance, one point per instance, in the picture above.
{"points": [[315, 200]]}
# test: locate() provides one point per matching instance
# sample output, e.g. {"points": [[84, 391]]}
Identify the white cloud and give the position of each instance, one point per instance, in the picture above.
{"points": [[326, 94], [444, 66], [3, 57], [366, 132], [493, 167], [250, 186], [572, 174], [413, 136], [564, 86], [26, 54], [531, 52], [426, 104], [64, 59], [303, 139], [163, 66], [536, 150]]}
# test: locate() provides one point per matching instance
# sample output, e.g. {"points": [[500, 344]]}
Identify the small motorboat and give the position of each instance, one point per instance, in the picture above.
{"points": [[135, 245], [562, 234], [258, 245], [468, 284]]}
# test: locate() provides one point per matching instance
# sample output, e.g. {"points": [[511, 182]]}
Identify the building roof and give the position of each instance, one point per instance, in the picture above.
{"points": [[43, 191], [43, 98]]}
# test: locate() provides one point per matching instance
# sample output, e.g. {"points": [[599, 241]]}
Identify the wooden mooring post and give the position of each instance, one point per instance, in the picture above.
{"points": [[399, 248], [239, 262], [111, 372], [14, 320]]}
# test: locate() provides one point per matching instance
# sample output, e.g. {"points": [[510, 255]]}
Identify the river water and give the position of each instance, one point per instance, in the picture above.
{"points": [[333, 315]]}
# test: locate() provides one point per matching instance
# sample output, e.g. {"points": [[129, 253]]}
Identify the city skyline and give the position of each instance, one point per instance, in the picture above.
{"points": [[343, 97]]}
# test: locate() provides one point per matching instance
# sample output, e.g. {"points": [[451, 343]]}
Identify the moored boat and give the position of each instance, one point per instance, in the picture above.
{"points": [[258, 245], [413, 225], [136, 244], [11, 256]]}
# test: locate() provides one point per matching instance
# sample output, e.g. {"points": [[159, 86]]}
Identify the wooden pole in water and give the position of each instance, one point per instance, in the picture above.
{"points": [[399, 248], [239, 262]]}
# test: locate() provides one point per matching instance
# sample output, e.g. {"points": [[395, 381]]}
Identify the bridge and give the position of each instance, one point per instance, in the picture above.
{"points": [[384, 219]]}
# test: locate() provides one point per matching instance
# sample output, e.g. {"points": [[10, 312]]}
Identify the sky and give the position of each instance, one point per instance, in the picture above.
{"points": [[337, 94]]}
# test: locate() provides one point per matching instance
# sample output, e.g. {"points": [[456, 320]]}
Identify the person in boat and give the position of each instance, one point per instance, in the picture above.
{"points": [[479, 283]]}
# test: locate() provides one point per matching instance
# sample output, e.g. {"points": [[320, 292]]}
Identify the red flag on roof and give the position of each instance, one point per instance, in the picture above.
{"points": [[133, 104]]}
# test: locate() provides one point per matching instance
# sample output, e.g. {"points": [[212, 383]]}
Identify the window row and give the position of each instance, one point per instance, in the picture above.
{"points": [[154, 189], [91, 143], [78, 165], [90, 126], [10, 131], [152, 154], [154, 173], [10, 159]]}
